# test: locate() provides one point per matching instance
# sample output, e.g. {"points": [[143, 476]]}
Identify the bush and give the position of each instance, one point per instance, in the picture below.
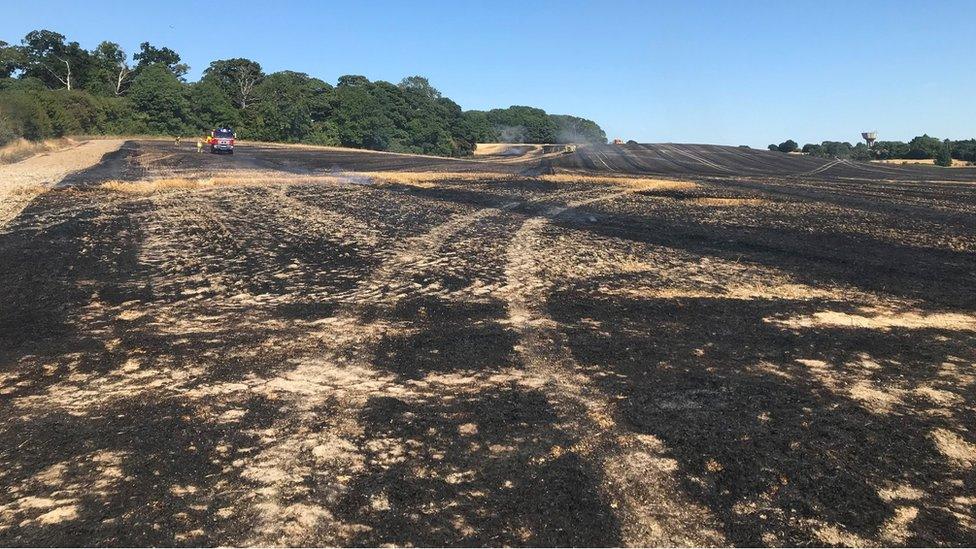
{"points": [[7, 133], [26, 116], [943, 157], [71, 112]]}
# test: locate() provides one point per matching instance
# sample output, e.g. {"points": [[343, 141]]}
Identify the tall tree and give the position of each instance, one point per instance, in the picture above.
{"points": [[211, 108], [159, 96], [477, 126], [964, 150], [47, 57], [289, 102], [111, 68], [520, 123], [924, 146], [237, 77], [151, 55], [573, 129], [71, 90], [420, 85], [10, 59], [861, 152], [886, 150], [363, 114], [788, 146]]}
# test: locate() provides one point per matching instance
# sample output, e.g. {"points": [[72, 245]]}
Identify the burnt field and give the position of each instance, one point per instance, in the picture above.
{"points": [[639, 345]]}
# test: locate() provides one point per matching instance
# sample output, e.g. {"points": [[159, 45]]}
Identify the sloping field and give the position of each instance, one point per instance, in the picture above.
{"points": [[640, 345], [725, 161]]}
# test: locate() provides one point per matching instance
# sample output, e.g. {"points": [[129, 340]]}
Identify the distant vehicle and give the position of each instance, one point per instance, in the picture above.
{"points": [[221, 140], [618, 141]]}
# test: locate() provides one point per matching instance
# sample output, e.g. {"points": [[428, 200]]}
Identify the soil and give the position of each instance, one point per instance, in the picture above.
{"points": [[625, 345]]}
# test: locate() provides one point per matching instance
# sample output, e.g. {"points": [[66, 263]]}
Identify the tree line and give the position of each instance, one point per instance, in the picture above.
{"points": [[50, 87], [919, 148]]}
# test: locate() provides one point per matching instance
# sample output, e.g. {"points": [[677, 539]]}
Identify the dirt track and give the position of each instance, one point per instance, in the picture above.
{"points": [[278, 348]]}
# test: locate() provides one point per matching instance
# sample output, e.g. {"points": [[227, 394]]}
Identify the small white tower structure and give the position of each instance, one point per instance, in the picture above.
{"points": [[870, 137]]}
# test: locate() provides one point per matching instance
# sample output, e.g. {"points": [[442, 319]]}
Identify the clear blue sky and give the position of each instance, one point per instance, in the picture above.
{"points": [[735, 72]]}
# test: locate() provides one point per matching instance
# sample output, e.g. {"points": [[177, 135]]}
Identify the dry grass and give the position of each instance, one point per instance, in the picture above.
{"points": [[166, 184], [955, 447], [872, 318], [633, 183], [150, 186], [252, 178], [22, 181], [925, 162], [413, 179], [514, 149], [19, 149], [708, 201], [429, 179], [744, 292]]}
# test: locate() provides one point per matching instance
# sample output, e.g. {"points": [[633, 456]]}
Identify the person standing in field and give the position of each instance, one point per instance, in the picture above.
{"points": [[199, 145]]}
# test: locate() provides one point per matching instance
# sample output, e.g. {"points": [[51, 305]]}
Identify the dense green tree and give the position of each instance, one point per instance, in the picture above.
{"points": [[923, 146], [65, 89], [150, 55], [773, 147], [837, 149], [523, 124], [831, 149], [71, 112], [10, 59], [890, 149], [46, 56], [119, 117], [362, 119], [573, 129], [287, 104], [421, 86], [964, 150], [478, 127], [110, 72], [788, 146], [211, 107], [862, 152], [237, 77], [160, 97]]}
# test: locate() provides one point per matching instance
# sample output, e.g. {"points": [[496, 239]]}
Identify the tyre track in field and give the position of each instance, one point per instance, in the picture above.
{"points": [[338, 368], [637, 469]]}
